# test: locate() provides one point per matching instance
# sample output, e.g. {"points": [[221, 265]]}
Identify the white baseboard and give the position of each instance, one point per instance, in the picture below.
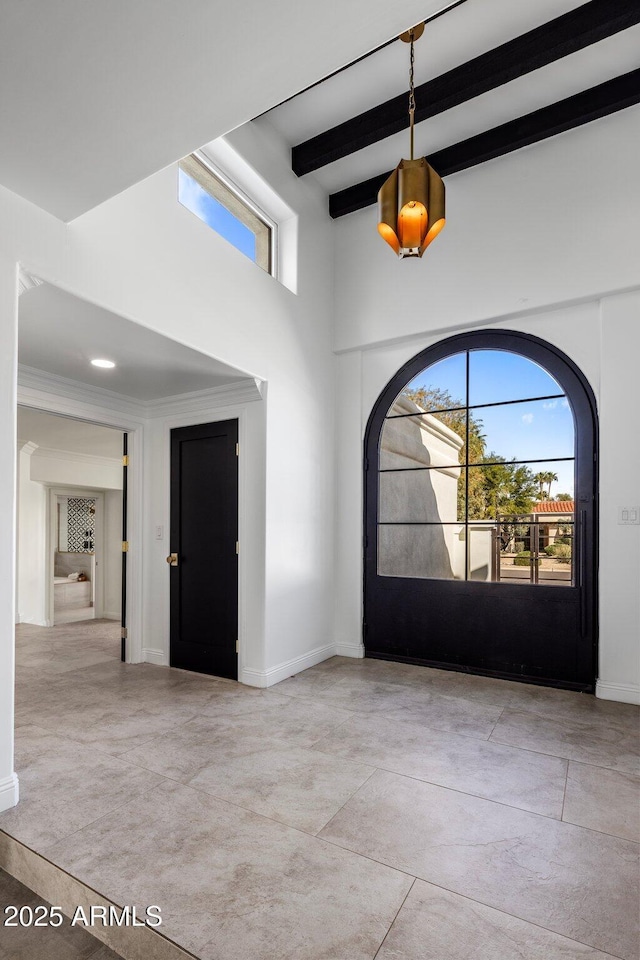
{"points": [[350, 650], [267, 678], [623, 692], [107, 615], [149, 655], [9, 792], [34, 623]]}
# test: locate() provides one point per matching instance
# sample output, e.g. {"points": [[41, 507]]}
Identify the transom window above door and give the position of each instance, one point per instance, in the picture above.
{"points": [[476, 474]]}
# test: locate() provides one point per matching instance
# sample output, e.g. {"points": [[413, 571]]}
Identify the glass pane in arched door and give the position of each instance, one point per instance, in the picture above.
{"points": [[480, 537]]}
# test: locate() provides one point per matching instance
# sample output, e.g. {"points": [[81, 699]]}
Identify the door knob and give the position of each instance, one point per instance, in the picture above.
{"points": [[172, 559]]}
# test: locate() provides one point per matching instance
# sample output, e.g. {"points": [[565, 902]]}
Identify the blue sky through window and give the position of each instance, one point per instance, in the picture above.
{"points": [[496, 375], [215, 215], [533, 429], [449, 374]]}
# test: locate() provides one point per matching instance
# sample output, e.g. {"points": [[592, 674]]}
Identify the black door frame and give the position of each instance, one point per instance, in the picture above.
{"points": [[125, 547], [582, 398]]}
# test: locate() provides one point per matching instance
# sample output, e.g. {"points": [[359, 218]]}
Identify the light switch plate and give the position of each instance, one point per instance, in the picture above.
{"points": [[629, 515]]}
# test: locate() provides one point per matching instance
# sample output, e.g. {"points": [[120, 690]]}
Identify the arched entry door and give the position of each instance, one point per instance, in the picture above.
{"points": [[480, 512]]}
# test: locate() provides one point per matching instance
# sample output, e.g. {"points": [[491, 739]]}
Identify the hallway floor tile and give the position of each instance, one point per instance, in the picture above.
{"points": [[359, 810]]}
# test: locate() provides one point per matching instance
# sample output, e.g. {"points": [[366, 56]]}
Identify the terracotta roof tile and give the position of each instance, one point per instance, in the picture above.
{"points": [[554, 506]]}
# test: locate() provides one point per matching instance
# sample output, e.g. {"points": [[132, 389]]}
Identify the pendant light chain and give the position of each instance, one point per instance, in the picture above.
{"points": [[412, 95]]}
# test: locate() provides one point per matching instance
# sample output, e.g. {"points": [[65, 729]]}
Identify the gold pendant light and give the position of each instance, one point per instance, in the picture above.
{"points": [[411, 200]]}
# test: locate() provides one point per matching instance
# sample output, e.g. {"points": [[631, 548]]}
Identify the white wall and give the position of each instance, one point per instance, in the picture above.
{"points": [[147, 258], [552, 223], [619, 347], [525, 233], [192, 284], [8, 486], [31, 536]]}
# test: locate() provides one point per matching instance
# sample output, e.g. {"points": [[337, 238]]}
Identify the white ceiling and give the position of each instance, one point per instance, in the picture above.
{"points": [[61, 334], [454, 38], [61, 433], [96, 95]]}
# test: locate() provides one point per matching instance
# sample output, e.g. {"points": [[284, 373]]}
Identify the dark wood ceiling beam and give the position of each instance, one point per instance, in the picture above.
{"points": [[606, 98], [558, 38]]}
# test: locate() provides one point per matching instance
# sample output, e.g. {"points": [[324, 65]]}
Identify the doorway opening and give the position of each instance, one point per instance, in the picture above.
{"points": [[69, 526], [480, 512], [78, 522], [142, 384]]}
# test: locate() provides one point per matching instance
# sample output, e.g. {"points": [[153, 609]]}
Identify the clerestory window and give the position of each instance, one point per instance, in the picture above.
{"points": [[225, 209]]}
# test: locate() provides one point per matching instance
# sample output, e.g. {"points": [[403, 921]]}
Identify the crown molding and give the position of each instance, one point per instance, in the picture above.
{"points": [[225, 395], [51, 453], [27, 446], [32, 381], [27, 281]]}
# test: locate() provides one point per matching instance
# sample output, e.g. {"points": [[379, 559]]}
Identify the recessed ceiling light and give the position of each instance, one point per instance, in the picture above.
{"points": [[106, 364]]}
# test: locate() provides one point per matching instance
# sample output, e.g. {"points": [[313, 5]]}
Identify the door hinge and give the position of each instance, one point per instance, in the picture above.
{"points": [[125, 546], [125, 461], [124, 633], [237, 646], [237, 547], [237, 449]]}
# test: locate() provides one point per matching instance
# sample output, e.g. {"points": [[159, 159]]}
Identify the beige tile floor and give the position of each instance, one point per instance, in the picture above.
{"points": [[361, 809]]}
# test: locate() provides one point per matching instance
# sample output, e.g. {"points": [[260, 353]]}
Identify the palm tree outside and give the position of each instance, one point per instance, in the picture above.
{"points": [[549, 479], [545, 477]]}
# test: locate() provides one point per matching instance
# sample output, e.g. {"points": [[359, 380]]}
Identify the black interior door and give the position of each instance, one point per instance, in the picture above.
{"points": [[204, 534], [484, 581]]}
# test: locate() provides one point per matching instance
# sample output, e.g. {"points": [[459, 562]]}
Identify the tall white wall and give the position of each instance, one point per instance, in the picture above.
{"points": [[147, 258], [552, 223], [215, 300], [525, 234], [619, 347], [8, 489]]}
